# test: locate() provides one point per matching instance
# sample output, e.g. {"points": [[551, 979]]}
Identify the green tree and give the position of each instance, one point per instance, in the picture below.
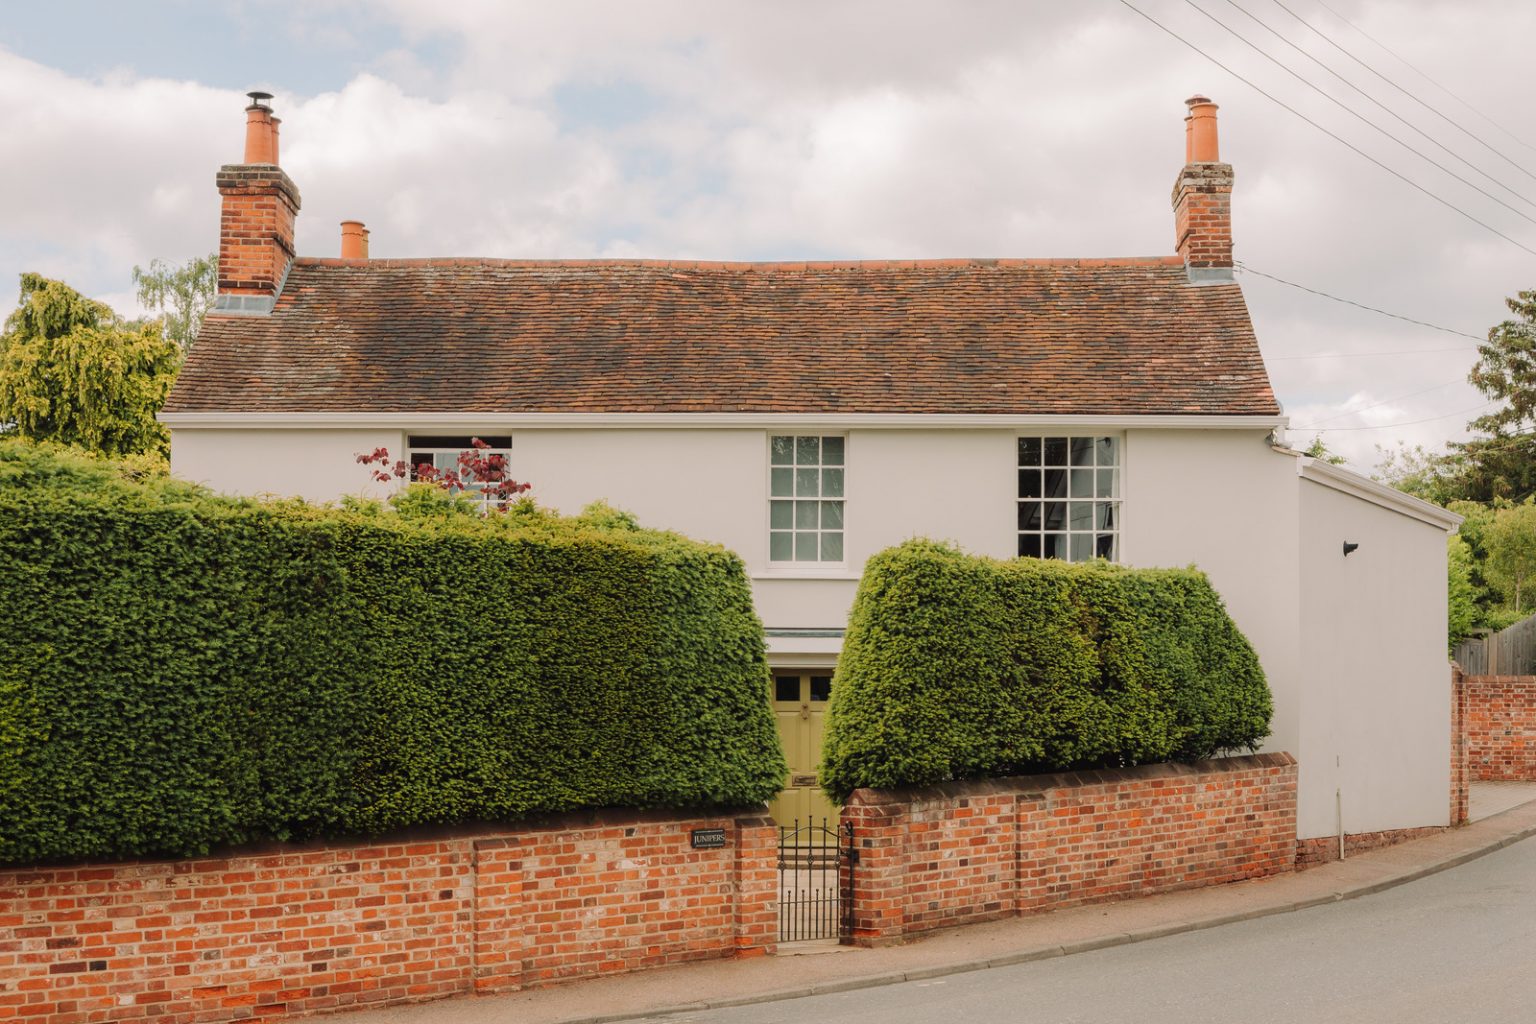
{"points": [[1319, 449], [181, 294], [1464, 594], [1511, 563], [74, 372], [1419, 472], [1502, 462]]}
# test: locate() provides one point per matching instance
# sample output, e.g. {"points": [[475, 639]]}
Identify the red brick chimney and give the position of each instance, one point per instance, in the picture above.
{"points": [[1202, 198], [256, 225]]}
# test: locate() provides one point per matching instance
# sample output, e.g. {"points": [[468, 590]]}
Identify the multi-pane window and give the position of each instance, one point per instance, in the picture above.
{"points": [[442, 453], [1069, 497], [805, 504]]}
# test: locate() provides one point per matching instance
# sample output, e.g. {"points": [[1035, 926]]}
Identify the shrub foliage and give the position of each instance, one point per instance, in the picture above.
{"points": [[956, 666], [183, 671]]}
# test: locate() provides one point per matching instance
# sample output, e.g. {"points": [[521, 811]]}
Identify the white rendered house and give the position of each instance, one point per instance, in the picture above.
{"points": [[808, 415]]}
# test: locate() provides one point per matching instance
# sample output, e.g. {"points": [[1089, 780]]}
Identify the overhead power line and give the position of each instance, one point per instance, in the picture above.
{"points": [[1403, 120], [1444, 117], [1246, 269], [1353, 148], [1393, 426], [1351, 111], [1425, 75], [1384, 401]]}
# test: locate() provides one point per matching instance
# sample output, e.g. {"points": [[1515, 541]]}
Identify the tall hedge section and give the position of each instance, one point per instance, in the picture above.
{"points": [[957, 666], [182, 671]]}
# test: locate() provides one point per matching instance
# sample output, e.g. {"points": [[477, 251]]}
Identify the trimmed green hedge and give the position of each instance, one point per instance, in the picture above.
{"points": [[958, 667], [182, 671]]}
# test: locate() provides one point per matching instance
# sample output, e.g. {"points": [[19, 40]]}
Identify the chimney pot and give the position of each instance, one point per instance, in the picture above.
{"points": [[1202, 148], [260, 133], [354, 240], [276, 123]]}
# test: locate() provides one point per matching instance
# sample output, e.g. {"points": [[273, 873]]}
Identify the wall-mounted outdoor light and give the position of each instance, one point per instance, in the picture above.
{"points": [[1348, 547]]}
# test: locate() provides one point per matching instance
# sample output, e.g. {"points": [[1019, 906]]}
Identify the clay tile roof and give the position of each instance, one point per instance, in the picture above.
{"points": [[1023, 337]]}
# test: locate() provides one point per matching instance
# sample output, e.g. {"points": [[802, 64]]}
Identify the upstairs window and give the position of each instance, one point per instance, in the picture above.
{"points": [[805, 503], [442, 453], [1069, 497]]}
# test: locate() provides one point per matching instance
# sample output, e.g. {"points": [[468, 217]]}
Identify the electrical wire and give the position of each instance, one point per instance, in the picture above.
{"points": [[1392, 426], [1405, 122], [1356, 114], [1362, 355], [1286, 106], [1386, 401], [1246, 269], [1444, 117], [1424, 75]]}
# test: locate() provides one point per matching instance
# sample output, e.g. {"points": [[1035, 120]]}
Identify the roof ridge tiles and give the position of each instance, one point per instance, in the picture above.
{"points": [[743, 266]]}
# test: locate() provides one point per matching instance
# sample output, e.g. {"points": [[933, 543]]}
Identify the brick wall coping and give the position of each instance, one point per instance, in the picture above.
{"points": [[570, 821], [1037, 785], [1501, 679]]}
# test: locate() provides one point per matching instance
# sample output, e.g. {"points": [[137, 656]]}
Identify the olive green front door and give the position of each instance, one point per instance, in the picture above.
{"points": [[800, 707]]}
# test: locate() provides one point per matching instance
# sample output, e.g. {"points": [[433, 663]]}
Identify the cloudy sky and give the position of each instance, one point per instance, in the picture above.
{"points": [[827, 129]]}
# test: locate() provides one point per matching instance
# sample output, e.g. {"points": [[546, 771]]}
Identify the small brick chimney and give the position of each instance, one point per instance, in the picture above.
{"points": [[1202, 198], [256, 225]]}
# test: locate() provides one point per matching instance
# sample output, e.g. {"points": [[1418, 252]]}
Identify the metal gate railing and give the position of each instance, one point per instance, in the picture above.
{"points": [[816, 865]]}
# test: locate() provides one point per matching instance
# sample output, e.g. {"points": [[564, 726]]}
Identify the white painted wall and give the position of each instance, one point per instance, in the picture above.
{"points": [[1339, 641], [1225, 502], [316, 465], [1376, 699]]}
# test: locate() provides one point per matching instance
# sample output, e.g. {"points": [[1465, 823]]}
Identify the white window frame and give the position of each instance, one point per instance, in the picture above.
{"points": [[1077, 476], [795, 565], [453, 452]]}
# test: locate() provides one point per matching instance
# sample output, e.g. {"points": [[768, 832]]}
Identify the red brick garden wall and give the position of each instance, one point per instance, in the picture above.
{"points": [[1461, 772], [966, 852], [1501, 728], [301, 928]]}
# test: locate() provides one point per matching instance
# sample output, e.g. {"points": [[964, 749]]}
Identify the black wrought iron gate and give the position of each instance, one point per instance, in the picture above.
{"points": [[816, 867]]}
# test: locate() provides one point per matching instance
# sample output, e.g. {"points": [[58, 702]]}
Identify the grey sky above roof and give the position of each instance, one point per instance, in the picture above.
{"points": [[801, 130]]}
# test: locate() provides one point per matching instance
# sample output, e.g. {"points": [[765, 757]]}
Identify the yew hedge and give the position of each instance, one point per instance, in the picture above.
{"points": [[957, 666], [183, 671]]}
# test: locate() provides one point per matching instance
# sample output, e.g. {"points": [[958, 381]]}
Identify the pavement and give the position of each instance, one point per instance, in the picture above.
{"points": [[1503, 813]]}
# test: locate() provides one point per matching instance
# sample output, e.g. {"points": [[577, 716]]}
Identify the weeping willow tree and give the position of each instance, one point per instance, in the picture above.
{"points": [[72, 371]]}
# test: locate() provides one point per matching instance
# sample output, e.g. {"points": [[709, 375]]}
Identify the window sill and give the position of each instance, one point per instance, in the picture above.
{"points": [[805, 572]]}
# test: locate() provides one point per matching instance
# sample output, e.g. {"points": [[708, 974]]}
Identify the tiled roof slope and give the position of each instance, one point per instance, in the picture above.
{"points": [[1022, 337]]}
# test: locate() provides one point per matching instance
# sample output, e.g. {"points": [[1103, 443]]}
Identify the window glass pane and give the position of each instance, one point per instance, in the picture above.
{"points": [[1106, 484], [1029, 451], [781, 514], [1029, 483], [1082, 515], [1055, 515], [831, 451], [832, 483], [783, 483], [783, 449], [831, 515], [805, 482], [1029, 515], [1104, 516], [1029, 545], [805, 515], [1109, 451], [1055, 483], [805, 547], [1104, 546], [1053, 545], [832, 547], [781, 547], [1055, 451], [1082, 547], [1082, 451], [787, 689], [1082, 483], [821, 688], [807, 451]]}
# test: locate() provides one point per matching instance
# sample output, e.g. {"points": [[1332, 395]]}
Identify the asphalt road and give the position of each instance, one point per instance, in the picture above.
{"points": [[1457, 946]]}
